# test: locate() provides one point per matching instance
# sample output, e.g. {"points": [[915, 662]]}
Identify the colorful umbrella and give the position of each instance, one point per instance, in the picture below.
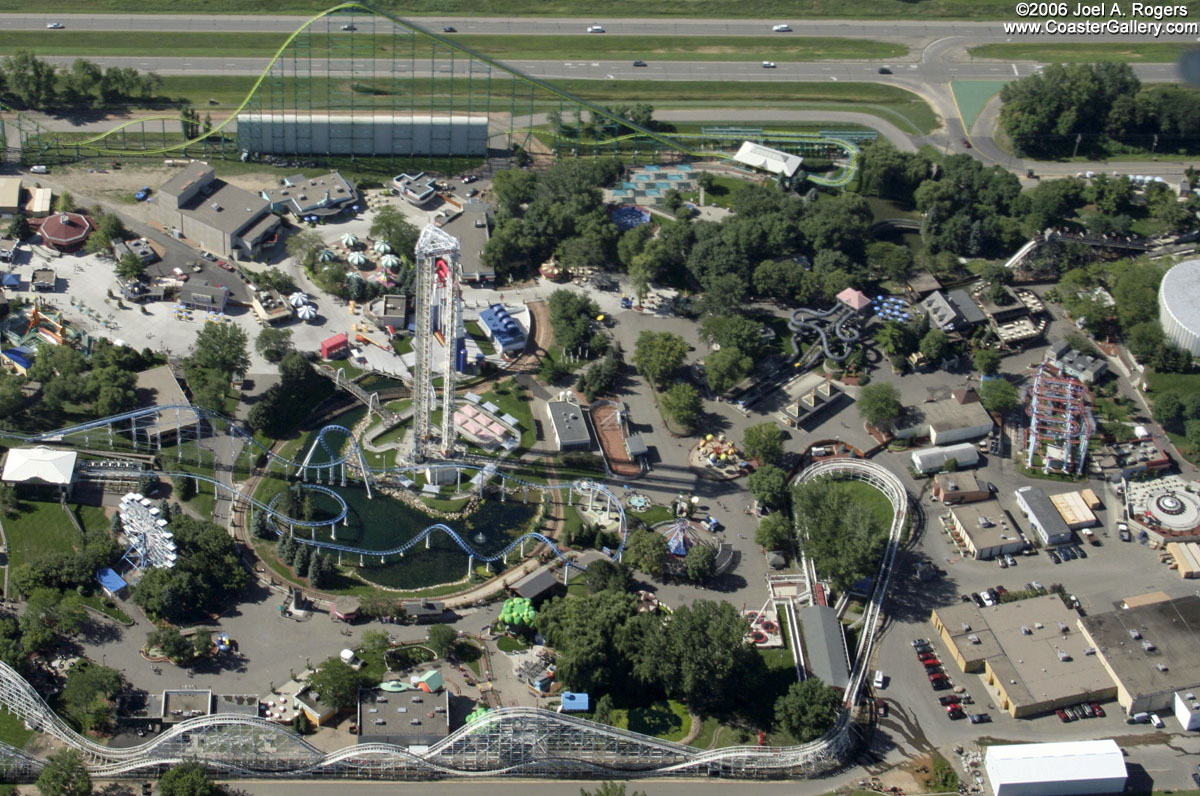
{"points": [[306, 312], [358, 258], [382, 246], [389, 261]]}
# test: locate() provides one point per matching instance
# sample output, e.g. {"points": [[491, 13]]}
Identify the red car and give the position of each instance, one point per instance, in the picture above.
{"points": [[1062, 715], [225, 265], [932, 663], [925, 656], [950, 699], [1096, 707], [955, 712]]}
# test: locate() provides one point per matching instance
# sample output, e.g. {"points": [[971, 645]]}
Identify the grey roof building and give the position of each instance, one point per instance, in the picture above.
{"points": [[311, 196], [1043, 516], [1085, 367], [204, 297], [825, 645], [471, 229], [571, 431], [213, 214], [952, 311]]}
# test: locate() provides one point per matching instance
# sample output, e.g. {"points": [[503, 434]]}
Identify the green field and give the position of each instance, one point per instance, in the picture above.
{"points": [[552, 48], [902, 107], [791, 10], [1091, 52], [12, 730], [970, 97], [666, 719], [40, 529]]}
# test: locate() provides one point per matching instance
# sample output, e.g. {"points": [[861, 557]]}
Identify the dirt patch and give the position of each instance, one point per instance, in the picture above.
{"points": [[612, 441]]}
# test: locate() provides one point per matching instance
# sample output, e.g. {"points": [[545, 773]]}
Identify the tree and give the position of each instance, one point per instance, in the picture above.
{"points": [[300, 560], [172, 643], [987, 361], [647, 551], [998, 395], [808, 709], [273, 343], [763, 441], [393, 226], [609, 789], [726, 368], [774, 531], [603, 711], [64, 775], [337, 683], [221, 347], [304, 246], [700, 563], [879, 404], [703, 655], [19, 228], [768, 484], [1191, 430], [442, 638], [603, 575], [682, 404], [8, 500], [838, 531], [130, 267], [201, 643], [657, 355], [65, 203], [188, 779], [1168, 411], [187, 488], [934, 346]]}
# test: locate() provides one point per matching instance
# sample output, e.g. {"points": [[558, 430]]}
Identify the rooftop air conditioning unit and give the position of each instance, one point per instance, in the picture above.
{"points": [[1063, 655], [966, 628]]}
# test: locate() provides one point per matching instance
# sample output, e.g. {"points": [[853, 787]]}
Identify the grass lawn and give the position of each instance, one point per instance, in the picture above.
{"points": [[96, 601], [553, 48], [92, 518], [1178, 384], [708, 733], [513, 400], [206, 494], [721, 192], [12, 730], [668, 719], [653, 515], [485, 345], [509, 644], [37, 531], [1090, 52], [895, 104], [791, 10]]}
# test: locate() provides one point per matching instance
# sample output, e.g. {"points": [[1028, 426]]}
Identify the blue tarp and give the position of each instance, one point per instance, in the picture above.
{"points": [[110, 580], [572, 701], [10, 280]]}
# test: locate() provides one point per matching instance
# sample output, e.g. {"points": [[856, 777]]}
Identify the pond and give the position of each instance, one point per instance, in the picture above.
{"points": [[383, 523]]}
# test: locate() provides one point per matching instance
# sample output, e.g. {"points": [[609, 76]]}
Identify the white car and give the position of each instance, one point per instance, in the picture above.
{"points": [[782, 27], [878, 682], [1156, 721], [768, 64], [55, 25], [595, 29]]}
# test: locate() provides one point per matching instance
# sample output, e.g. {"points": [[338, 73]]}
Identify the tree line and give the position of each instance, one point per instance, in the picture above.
{"points": [[1095, 109], [28, 82]]}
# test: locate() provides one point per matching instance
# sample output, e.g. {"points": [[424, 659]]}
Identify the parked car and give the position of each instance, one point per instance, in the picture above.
{"points": [[980, 718], [1083, 710], [1000, 590], [1037, 586], [212, 258], [926, 656], [1156, 721], [142, 195], [1123, 532], [949, 699], [197, 267], [467, 179], [966, 143], [1012, 562], [932, 663], [1002, 562], [1062, 715], [1196, 779], [449, 29], [920, 642], [1099, 711], [1053, 557], [926, 648], [225, 265], [955, 713], [977, 599], [1079, 551], [350, 28], [1067, 553]]}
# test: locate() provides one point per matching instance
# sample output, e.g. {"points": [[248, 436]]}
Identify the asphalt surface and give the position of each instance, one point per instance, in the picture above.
{"points": [[858, 71], [895, 30]]}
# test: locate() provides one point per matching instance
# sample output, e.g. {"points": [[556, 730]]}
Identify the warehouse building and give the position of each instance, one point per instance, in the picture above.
{"points": [[986, 530], [1028, 651], [1073, 508], [1150, 650], [927, 460], [955, 419], [1056, 769], [1043, 516], [214, 215]]}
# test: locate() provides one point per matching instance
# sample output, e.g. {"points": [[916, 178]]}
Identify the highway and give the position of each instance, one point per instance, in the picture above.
{"points": [[918, 32], [903, 72]]}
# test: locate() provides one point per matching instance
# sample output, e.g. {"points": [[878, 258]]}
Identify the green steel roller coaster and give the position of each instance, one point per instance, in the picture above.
{"points": [[330, 66]]}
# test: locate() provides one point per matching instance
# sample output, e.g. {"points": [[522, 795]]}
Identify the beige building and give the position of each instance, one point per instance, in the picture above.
{"points": [[214, 215], [1150, 650], [952, 488], [1029, 651], [985, 529], [1073, 507], [10, 196]]}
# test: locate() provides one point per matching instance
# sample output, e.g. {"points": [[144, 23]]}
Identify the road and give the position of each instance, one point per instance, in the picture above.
{"points": [[914, 32]]}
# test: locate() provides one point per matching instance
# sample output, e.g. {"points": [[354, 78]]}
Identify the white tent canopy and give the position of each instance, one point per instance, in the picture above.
{"points": [[767, 159], [358, 258], [40, 464]]}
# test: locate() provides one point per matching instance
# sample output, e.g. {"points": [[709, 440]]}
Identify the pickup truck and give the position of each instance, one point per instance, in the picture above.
{"points": [[1089, 537]]}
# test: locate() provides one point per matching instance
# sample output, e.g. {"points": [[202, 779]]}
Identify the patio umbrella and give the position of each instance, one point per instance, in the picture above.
{"points": [[298, 298], [382, 247], [389, 261], [358, 258], [306, 312], [349, 240], [325, 256]]}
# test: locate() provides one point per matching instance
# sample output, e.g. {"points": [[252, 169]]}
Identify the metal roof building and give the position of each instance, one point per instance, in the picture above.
{"points": [[825, 645], [570, 426], [1043, 516], [767, 159], [926, 460], [1042, 769], [1177, 307]]}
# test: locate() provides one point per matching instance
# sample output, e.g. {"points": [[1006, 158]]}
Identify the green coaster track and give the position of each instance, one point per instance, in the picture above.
{"points": [[277, 91]]}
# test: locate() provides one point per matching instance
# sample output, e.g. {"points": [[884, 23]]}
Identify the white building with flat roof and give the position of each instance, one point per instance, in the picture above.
{"points": [[1056, 769], [1178, 310]]}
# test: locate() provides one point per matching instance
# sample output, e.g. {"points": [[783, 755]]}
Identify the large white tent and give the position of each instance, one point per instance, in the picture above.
{"points": [[1054, 769]]}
